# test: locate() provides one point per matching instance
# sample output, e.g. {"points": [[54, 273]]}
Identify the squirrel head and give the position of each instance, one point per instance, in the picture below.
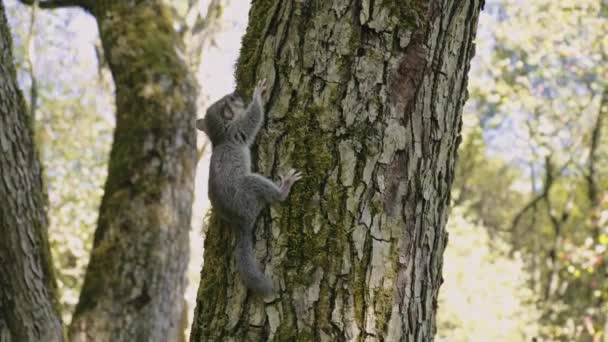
{"points": [[220, 116]]}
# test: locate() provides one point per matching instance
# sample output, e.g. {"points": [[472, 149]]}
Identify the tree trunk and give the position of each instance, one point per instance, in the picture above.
{"points": [[134, 284], [28, 306], [365, 99]]}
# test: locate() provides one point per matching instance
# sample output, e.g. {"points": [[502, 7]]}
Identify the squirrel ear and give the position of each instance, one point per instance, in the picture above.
{"points": [[200, 124]]}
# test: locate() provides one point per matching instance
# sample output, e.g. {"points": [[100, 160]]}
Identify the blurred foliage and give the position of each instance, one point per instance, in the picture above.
{"points": [[482, 183], [542, 79], [533, 166], [484, 297]]}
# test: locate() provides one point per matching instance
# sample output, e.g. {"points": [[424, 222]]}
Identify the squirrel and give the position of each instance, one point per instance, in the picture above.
{"points": [[237, 194]]}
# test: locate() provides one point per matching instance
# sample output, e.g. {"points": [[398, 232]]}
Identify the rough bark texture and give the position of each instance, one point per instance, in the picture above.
{"points": [[134, 284], [365, 99], [28, 307]]}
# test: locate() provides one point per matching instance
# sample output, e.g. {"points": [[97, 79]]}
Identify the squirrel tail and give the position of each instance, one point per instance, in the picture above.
{"points": [[248, 267]]}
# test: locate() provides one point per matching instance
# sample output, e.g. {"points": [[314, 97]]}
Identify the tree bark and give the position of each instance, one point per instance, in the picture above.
{"points": [[365, 99], [28, 305], [134, 284]]}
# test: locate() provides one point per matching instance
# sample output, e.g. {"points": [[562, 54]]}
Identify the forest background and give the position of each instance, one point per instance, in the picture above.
{"points": [[529, 220]]}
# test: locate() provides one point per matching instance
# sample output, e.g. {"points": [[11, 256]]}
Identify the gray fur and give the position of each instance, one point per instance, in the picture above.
{"points": [[237, 194]]}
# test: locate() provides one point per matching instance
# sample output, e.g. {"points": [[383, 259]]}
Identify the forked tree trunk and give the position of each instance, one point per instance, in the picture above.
{"points": [[366, 100], [28, 307], [134, 284]]}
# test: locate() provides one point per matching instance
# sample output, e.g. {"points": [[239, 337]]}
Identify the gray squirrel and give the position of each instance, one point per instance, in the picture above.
{"points": [[237, 194]]}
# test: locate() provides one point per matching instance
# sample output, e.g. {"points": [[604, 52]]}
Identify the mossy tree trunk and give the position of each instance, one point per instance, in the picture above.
{"points": [[134, 283], [133, 289], [366, 100], [28, 307]]}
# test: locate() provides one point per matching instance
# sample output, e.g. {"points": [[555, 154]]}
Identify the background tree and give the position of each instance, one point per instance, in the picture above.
{"points": [[366, 100], [61, 51], [28, 303], [135, 280]]}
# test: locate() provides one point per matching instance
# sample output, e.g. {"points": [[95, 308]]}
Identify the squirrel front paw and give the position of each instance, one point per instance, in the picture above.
{"points": [[260, 88], [291, 177]]}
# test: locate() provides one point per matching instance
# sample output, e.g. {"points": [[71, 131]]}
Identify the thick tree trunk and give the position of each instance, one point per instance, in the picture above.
{"points": [[366, 100], [133, 289], [28, 307]]}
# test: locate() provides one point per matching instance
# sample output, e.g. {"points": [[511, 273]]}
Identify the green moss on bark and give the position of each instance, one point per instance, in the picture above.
{"points": [[215, 270], [251, 46]]}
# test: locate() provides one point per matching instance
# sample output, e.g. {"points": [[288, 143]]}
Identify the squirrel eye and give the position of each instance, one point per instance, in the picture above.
{"points": [[227, 112]]}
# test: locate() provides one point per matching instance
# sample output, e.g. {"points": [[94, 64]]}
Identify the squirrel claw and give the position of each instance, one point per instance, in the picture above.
{"points": [[261, 87], [291, 176]]}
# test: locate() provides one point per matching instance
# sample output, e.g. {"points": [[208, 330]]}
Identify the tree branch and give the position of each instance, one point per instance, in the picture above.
{"points": [[201, 29], [52, 4], [29, 59], [596, 133], [547, 184]]}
